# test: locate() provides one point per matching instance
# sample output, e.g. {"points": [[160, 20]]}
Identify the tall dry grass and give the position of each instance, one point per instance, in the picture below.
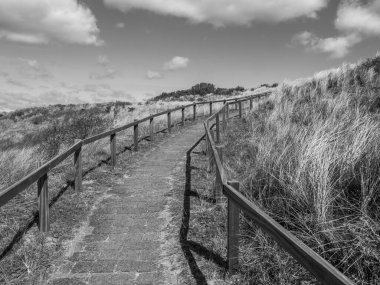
{"points": [[24, 143], [310, 156]]}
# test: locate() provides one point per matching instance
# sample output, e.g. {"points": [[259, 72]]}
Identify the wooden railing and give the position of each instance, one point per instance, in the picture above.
{"points": [[40, 175], [314, 263]]}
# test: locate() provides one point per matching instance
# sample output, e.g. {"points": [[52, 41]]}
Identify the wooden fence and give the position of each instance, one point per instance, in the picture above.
{"points": [[40, 175], [236, 202]]}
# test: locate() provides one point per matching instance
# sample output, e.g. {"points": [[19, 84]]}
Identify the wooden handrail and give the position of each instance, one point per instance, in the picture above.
{"points": [[42, 171], [314, 263], [28, 180]]}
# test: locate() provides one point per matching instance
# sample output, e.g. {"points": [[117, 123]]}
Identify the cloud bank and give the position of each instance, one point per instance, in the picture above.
{"points": [[356, 21], [354, 17], [337, 47], [221, 13], [41, 21]]}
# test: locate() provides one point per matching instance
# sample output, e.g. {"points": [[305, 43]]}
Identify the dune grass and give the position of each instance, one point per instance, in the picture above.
{"points": [[310, 156]]}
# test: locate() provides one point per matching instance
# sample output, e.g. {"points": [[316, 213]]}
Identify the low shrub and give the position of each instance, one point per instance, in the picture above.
{"points": [[74, 125]]}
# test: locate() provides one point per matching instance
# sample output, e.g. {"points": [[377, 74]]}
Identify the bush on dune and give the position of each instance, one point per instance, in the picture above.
{"points": [[74, 125]]}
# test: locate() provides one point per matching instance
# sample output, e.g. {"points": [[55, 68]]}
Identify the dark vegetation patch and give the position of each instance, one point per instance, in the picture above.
{"points": [[200, 89]]}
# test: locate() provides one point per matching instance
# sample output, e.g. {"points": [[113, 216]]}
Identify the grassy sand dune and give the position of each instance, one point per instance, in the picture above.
{"points": [[310, 156]]}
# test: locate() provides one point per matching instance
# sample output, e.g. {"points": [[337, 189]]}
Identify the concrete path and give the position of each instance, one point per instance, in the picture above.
{"points": [[125, 238]]}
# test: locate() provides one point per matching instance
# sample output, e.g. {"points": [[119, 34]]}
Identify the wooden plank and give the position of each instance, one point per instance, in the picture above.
{"points": [[183, 117], [151, 129], [233, 213], [240, 110], [194, 111], [210, 108], [136, 137], [43, 203], [78, 169], [113, 150], [314, 263]]}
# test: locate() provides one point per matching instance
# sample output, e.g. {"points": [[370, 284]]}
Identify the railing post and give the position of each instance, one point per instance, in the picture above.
{"points": [[43, 203], [236, 104], [183, 117], [218, 190], [250, 103], [151, 129], [78, 168], [210, 108], [217, 128], [224, 124], [207, 146], [228, 112], [240, 111], [233, 232], [210, 153], [194, 111], [136, 136], [169, 123], [113, 150]]}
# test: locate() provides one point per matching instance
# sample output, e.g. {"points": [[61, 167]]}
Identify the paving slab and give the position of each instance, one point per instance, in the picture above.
{"points": [[123, 240]]}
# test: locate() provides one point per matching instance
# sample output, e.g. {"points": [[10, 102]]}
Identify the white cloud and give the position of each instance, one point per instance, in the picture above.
{"points": [[356, 22], [103, 60], [120, 25], [225, 12], [337, 47], [151, 74], [356, 18], [177, 62], [41, 21]]}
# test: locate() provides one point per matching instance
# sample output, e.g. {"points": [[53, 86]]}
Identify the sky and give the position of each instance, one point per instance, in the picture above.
{"points": [[86, 51]]}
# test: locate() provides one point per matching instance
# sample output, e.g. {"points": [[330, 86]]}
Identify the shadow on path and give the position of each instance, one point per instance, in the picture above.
{"points": [[188, 246]]}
